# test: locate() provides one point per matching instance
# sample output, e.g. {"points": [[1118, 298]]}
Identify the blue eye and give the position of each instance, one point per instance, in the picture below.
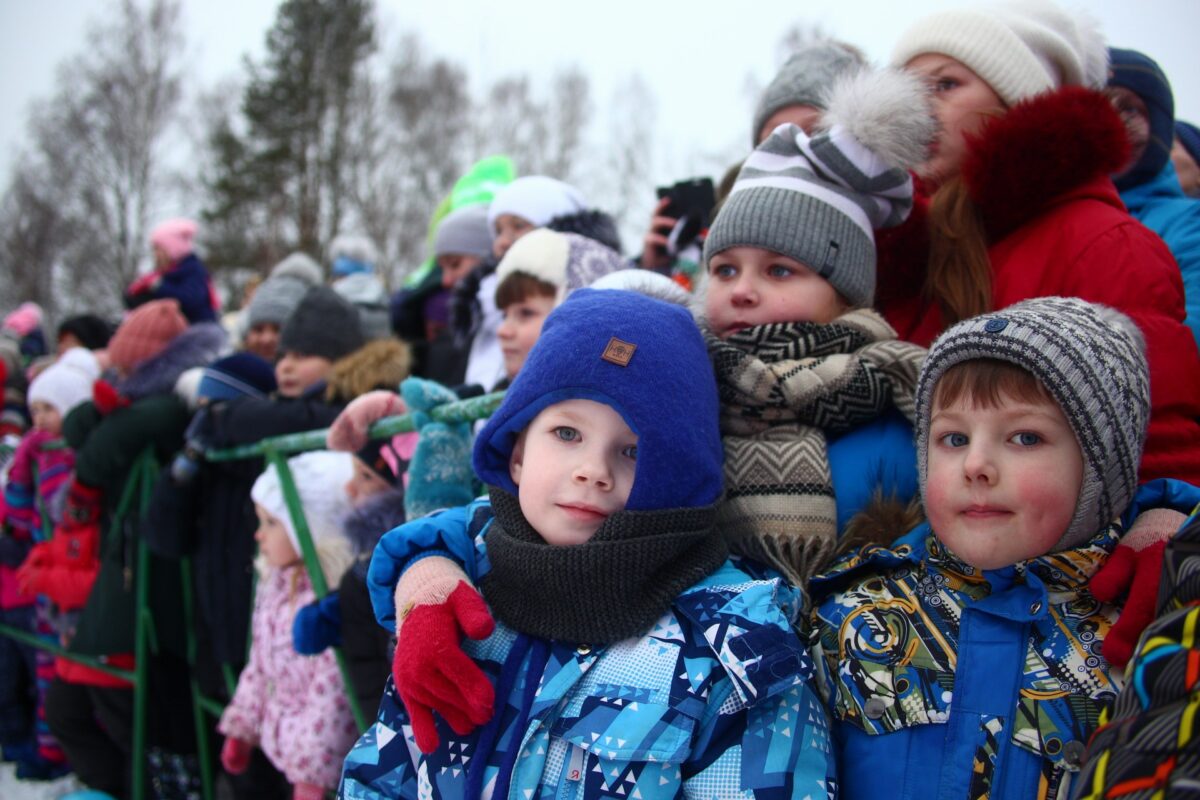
{"points": [[566, 433], [630, 452], [954, 439], [1026, 439], [724, 271], [780, 271]]}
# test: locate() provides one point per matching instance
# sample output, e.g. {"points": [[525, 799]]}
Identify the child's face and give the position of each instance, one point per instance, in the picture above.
{"points": [[295, 373], [1003, 482], [46, 417], [364, 482], [509, 228], [749, 286], [273, 541], [520, 330], [263, 340], [962, 102], [454, 266], [573, 466]]}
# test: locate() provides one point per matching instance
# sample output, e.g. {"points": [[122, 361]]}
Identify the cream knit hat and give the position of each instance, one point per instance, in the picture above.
{"points": [[1019, 49]]}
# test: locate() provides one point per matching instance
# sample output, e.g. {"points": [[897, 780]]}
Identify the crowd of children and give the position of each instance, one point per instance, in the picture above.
{"points": [[732, 531]]}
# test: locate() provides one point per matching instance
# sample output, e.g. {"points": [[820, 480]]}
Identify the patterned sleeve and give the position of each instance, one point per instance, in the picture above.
{"points": [[319, 737], [777, 749], [242, 718]]}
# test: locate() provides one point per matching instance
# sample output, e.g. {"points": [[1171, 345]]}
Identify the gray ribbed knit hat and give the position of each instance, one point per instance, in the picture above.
{"points": [[1091, 359], [281, 292], [804, 80], [818, 198], [464, 231]]}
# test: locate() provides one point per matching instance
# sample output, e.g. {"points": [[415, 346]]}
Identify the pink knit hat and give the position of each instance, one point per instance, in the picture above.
{"points": [[144, 333], [174, 237], [25, 319]]}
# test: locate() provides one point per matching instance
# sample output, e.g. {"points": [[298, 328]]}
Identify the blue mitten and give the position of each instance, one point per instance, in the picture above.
{"points": [[318, 626], [439, 474]]}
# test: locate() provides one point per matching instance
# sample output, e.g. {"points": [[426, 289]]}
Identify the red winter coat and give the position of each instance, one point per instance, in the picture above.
{"points": [[1056, 226]]}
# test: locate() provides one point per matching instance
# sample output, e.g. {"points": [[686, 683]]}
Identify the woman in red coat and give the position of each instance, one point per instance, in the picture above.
{"points": [[1016, 203]]}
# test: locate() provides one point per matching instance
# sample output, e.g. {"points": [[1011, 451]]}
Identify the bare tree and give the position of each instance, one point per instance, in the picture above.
{"points": [[96, 159], [626, 186]]}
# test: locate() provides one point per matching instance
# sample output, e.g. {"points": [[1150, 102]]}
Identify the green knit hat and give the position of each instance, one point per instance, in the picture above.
{"points": [[817, 198]]}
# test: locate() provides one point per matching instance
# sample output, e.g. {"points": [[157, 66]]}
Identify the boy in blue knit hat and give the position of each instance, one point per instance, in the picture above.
{"points": [[627, 654]]}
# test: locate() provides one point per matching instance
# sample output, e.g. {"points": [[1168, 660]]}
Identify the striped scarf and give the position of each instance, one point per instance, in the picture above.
{"points": [[784, 388]]}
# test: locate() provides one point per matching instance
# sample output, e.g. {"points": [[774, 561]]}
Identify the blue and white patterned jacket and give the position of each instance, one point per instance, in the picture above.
{"points": [[715, 701]]}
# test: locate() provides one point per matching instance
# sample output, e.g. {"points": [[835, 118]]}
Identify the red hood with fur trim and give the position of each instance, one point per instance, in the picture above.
{"points": [[1056, 226]]}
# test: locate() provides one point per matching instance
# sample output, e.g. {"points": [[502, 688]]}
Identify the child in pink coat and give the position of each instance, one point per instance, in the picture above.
{"points": [[294, 707]]}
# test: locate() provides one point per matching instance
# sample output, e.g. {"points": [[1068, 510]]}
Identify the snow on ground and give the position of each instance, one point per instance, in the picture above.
{"points": [[13, 789]]}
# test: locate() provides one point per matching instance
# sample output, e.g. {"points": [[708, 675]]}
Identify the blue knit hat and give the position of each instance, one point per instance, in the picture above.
{"points": [[1141, 75], [646, 360], [1189, 135], [238, 375]]}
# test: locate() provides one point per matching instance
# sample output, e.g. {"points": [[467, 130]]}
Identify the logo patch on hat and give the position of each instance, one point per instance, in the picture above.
{"points": [[618, 352]]}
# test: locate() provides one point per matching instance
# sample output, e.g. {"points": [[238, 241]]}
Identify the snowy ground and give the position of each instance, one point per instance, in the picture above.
{"points": [[13, 789]]}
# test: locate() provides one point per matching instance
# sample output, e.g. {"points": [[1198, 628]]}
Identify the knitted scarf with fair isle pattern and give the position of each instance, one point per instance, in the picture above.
{"points": [[784, 388]]}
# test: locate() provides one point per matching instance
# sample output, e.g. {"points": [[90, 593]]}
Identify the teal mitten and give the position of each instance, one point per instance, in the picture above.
{"points": [[439, 474]]}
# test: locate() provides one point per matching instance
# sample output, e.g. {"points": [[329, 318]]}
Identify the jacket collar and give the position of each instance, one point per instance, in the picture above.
{"points": [[1044, 148]]}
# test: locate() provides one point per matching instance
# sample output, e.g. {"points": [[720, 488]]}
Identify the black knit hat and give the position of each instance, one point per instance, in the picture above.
{"points": [[91, 331], [324, 324]]}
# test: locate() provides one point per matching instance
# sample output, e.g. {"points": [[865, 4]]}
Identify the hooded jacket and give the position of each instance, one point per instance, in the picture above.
{"points": [[1161, 206], [952, 682], [1056, 226], [715, 700]]}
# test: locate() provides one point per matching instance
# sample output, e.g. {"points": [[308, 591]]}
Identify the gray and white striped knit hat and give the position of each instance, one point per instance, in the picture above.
{"points": [[817, 198], [1091, 358]]}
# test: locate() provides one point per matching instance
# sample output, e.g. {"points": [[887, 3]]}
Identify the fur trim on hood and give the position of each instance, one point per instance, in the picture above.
{"points": [[379, 364], [198, 346], [376, 516], [1023, 161]]}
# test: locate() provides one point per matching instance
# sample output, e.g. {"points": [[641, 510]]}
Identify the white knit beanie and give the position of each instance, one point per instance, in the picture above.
{"points": [[1020, 49], [320, 478], [535, 198], [566, 261], [67, 382]]}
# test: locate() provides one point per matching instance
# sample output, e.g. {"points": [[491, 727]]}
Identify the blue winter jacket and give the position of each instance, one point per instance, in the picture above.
{"points": [[189, 283], [1161, 206], [880, 455], [953, 684], [714, 701]]}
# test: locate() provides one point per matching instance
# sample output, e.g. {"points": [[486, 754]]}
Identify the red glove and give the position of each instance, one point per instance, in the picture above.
{"points": [[349, 430], [106, 398], [308, 791], [1134, 567], [235, 755], [430, 669]]}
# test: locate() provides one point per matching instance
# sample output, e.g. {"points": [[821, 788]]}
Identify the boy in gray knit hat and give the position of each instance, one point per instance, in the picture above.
{"points": [[1030, 426], [800, 358]]}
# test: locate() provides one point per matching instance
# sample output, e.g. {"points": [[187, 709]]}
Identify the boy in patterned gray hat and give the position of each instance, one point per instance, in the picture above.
{"points": [[800, 358], [974, 642]]}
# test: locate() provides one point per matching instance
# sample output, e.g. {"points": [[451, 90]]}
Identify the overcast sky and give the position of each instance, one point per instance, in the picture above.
{"points": [[696, 58]]}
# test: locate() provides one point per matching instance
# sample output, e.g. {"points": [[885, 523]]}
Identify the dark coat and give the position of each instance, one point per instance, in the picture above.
{"points": [[187, 282]]}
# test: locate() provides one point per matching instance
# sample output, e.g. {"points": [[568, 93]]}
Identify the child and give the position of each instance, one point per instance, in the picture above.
{"points": [[630, 656], [973, 644], [275, 300], [178, 273], [37, 478], [535, 275], [356, 278], [293, 707], [799, 357]]}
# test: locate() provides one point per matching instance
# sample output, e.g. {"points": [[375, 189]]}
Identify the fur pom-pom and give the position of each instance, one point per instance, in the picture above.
{"points": [[300, 266], [886, 111], [355, 248]]}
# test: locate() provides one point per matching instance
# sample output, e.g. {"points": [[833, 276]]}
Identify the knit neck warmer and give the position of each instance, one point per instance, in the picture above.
{"points": [[613, 587], [783, 389]]}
